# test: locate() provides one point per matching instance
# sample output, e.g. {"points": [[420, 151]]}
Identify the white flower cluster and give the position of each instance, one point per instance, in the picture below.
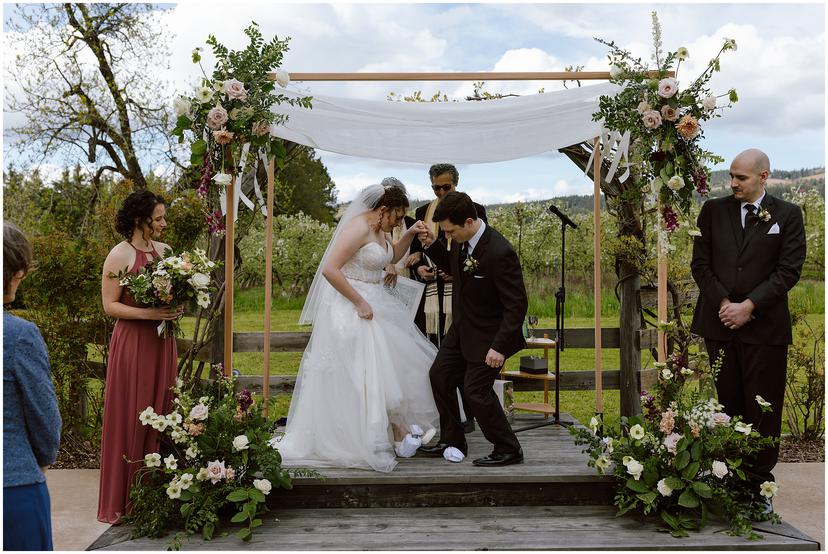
{"points": [[701, 414], [194, 267]]}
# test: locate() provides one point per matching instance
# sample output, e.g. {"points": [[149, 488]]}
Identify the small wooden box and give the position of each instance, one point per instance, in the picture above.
{"points": [[533, 364]]}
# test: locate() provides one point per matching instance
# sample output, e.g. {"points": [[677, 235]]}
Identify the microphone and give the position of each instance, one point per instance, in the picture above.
{"points": [[562, 216]]}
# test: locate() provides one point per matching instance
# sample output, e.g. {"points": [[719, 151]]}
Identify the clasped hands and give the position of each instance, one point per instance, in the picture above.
{"points": [[734, 315]]}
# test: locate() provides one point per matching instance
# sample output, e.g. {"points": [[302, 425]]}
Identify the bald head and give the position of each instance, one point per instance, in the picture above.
{"points": [[754, 158], [748, 173]]}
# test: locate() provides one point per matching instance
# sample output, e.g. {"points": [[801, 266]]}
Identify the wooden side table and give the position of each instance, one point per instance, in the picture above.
{"points": [[544, 407]]}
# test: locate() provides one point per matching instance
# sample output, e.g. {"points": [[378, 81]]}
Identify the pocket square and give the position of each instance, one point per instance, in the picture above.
{"points": [[479, 276], [774, 230]]}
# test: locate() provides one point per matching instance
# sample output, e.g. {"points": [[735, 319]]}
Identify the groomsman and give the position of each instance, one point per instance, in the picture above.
{"points": [[749, 255]]}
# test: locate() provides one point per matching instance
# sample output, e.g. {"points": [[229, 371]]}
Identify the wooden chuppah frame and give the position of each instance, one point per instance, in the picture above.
{"points": [[467, 76]]}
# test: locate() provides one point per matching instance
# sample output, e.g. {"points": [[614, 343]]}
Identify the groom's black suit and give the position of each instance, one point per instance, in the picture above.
{"points": [[488, 308], [763, 266]]}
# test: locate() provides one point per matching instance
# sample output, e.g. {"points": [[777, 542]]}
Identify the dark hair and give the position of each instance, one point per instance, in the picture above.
{"points": [[17, 254], [138, 205], [455, 206], [394, 195], [438, 169]]}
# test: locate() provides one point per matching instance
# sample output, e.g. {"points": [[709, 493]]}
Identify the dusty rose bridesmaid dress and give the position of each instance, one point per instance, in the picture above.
{"points": [[140, 372]]}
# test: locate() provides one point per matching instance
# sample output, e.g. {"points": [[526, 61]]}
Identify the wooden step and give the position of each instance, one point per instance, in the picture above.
{"points": [[468, 528]]}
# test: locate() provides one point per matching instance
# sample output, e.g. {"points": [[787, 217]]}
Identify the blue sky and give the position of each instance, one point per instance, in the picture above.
{"points": [[778, 69]]}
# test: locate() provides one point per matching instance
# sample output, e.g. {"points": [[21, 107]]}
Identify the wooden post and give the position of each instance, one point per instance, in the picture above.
{"points": [[596, 175], [268, 285], [662, 300], [229, 262]]}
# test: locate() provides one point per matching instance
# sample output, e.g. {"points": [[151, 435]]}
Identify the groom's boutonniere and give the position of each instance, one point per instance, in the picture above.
{"points": [[763, 214], [470, 264]]}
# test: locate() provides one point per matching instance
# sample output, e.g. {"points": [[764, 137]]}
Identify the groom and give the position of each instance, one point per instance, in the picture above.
{"points": [[488, 308]]}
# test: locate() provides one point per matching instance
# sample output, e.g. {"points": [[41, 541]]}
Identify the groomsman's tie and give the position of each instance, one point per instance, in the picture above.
{"points": [[750, 218], [464, 252]]}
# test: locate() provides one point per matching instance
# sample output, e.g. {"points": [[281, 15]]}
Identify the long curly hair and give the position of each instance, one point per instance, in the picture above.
{"points": [[138, 205]]}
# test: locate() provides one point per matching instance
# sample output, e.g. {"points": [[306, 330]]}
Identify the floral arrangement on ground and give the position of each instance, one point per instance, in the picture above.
{"points": [[683, 458], [664, 122], [215, 460]]}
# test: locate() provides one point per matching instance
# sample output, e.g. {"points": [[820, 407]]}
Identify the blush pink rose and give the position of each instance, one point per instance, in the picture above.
{"points": [[235, 89], [216, 471], [669, 113], [651, 119], [216, 118], [671, 441], [667, 87]]}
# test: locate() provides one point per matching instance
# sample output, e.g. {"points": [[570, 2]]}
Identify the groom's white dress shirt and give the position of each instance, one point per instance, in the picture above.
{"points": [[476, 238]]}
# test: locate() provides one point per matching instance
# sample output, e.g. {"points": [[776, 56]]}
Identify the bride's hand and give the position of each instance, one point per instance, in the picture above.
{"points": [[391, 275], [364, 310]]}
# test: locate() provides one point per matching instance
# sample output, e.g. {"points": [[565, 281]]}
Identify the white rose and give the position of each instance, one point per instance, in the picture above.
{"points": [[675, 183], [170, 462], [222, 179], [667, 87], [635, 469], [762, 402], [768, 489], [241, 442], [637, 432], [616, 72], [181, 106], [153, 460], [199, 281], [663, 488], [709, 103], [742, 428], [262, 485], [199, 412], [719, 469], [282, 77]]}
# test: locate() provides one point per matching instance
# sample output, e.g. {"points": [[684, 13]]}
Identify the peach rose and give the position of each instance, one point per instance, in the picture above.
{"points": [[216, 118], [688, 126]]}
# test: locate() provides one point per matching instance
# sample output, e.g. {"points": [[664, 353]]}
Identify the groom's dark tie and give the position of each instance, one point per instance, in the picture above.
{"points": [[750, 218]]}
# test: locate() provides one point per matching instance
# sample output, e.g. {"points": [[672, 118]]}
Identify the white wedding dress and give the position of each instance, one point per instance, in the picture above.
{"points": [[359, 376]]}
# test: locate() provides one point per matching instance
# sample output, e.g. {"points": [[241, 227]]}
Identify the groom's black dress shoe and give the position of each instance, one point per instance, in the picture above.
{"points": [[496, 459], [437, 450], [468, 426]]}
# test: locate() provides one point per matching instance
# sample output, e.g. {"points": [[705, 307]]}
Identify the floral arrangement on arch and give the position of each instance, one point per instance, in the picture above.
{"points": [[683, 457], [664, 120], [228, 118], [215, 454]]}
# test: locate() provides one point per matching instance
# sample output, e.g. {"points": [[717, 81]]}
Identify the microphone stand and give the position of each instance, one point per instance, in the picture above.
{"points": [[560, 304]]}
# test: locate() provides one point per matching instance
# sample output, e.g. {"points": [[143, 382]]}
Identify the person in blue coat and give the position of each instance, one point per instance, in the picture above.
{"points": [[31, 419]]}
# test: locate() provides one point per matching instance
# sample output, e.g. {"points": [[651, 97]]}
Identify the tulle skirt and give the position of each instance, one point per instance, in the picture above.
{"points": [[356, 378]]}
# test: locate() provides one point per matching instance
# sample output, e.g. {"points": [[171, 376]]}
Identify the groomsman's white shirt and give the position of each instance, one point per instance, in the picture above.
{"points": [[476, 238]]}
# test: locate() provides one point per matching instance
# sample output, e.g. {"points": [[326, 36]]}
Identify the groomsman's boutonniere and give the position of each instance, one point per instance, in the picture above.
{"points": [[470, 264], [763, 214]]}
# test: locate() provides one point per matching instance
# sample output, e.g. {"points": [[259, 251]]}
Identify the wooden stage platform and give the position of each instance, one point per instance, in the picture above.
{"points": [[552, 501]]}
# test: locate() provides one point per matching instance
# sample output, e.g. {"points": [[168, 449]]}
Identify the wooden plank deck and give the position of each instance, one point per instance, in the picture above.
{"points": [[475, 528]]}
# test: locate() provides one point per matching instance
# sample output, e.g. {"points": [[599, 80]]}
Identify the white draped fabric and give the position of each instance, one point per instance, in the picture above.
{"points": [[460, 132]]}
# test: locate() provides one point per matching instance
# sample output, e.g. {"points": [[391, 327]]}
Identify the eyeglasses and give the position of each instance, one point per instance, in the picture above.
{"points": [[445, 188]]}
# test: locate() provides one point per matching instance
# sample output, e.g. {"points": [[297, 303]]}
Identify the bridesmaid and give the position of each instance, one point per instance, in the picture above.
{"points": [[142, 365]]}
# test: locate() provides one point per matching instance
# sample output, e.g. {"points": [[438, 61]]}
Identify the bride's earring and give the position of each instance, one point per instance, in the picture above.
{"points": [[378, 226]]}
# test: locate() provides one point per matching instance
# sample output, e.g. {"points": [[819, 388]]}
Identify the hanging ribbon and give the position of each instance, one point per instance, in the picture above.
{"points": [[609, 139]]}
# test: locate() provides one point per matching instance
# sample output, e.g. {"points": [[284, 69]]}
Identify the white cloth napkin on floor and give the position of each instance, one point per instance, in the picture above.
{"points": [[453, 455]]}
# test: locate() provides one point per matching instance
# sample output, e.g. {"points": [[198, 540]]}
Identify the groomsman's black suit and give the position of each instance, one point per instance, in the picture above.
{"points": [[762, 263], [488, 309]]}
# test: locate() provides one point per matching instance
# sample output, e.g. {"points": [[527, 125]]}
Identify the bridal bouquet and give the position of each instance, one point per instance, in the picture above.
{"points": [[172, 281], [215, 454], [682, 458]]}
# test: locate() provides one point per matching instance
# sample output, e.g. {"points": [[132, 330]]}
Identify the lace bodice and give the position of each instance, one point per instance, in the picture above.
{"points": [[368, 263]]}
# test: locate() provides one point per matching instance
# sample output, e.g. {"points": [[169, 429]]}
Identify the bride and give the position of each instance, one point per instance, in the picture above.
{"points": [[363, 381]]}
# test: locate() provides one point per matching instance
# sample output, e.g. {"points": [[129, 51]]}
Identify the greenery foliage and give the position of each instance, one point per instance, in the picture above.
{"points": [[682, 458]]}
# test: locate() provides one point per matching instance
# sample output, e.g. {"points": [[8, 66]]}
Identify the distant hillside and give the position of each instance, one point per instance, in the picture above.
{"points": [[780, 181]]}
